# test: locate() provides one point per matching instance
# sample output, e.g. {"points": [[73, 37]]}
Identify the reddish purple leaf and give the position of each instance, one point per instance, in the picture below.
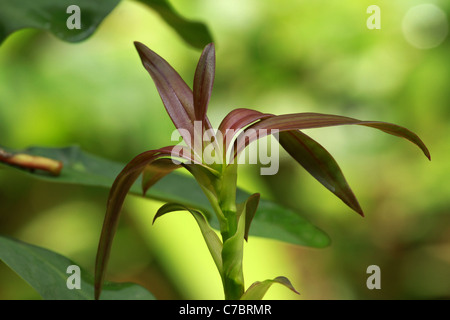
{"points": [[117, 194], [157, 170], [203, 81], [240, 118], [236, 120], [320, 164], [289, 122], [175, 93]]}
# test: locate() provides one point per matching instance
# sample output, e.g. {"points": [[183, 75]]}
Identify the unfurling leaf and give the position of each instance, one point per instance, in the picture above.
{"points": [[258, 290], [248, 208], [212, 240]]}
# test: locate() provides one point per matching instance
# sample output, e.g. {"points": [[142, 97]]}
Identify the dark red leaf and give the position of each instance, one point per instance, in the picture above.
{"points": [[117, 194], [157, 170], [203, 81], [289, 122], [236, 120], [320, 164], [175, 93]]}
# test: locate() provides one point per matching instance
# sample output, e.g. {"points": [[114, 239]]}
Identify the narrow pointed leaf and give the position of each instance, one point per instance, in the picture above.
{"points": [[258, 290], [212, 240], [249, 208], [175, 93], [118, 192], [203, 81], [320, 164], [289, 122]]}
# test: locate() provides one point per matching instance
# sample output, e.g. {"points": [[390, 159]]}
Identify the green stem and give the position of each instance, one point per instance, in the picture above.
{"points": [[232, 236], [232, 272]]}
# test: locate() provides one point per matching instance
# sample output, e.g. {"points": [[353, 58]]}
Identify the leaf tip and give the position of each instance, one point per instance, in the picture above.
{"points": [[359, 210]]}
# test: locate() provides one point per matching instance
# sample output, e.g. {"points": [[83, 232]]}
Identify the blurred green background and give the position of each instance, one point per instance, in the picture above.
{"points": [[279, 57]]}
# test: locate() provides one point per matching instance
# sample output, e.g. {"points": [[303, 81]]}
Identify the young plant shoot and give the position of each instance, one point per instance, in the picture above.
{"points": [[213, 163]]}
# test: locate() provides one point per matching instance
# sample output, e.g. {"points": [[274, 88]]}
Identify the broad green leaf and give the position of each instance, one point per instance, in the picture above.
{"points": [[46, 272], [212, 240], [51, 15], [271, 221], [194, 33], [258, 290], [320, 164]]}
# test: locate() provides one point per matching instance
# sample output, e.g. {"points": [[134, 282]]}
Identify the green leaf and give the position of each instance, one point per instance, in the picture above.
{"points": [[249, 209], [258, 289], [274, 221], [194, 33], [212, 240], [46, 272], [207, 180], [51, 15], [271, 221], [320, 164]]}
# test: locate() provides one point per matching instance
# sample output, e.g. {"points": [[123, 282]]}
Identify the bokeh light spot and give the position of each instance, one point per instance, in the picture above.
{"points": [[425, 26]]}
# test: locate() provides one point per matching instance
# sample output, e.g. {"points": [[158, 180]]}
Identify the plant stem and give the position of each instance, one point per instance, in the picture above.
{"points": [[232, 272], [232, 236]]}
